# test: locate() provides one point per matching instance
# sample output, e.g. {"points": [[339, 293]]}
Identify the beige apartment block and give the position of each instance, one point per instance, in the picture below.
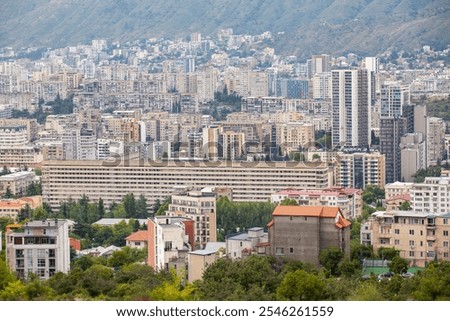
{"points": [[11, 207], [358, 170], [111, 180], [397, 188], [201, 208], [294, 136], [419, 237], [17, 156], [17, 182]]}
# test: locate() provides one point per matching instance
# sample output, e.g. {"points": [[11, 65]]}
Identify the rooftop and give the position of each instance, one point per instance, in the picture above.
{"points": [[138, 236], [316, 211]]}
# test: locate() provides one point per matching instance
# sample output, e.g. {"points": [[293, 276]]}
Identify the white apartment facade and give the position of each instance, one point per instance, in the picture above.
{"points": [[431, 196], [42, 249]]}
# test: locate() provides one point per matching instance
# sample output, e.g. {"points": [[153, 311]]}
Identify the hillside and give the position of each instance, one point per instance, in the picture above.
{"points": [[309, 26]]}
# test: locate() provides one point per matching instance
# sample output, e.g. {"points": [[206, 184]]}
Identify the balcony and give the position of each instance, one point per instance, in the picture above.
{"points": [[431, 238]]}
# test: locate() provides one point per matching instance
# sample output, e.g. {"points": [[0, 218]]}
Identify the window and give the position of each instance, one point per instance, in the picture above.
{"points": [[397, 231], [411, 232], [445, 244], [411, 243], [445, 220], [41, 262], [445, 233], [167, 246], [41, 272], [397, 242], [41, 253], [137, 243], [30, 262], [411, 253], [291, 250], [279, 251], [446, 254]]}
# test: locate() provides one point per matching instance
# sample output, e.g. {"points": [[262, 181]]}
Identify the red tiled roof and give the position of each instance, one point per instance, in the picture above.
{"points": [[316, 211], [342, 222], [138, 236]]}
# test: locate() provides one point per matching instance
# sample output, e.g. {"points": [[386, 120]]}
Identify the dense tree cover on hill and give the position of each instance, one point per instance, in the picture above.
{"points": [[438, 108], [124, 277]]}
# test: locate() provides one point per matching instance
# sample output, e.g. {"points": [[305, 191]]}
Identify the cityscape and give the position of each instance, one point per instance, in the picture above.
{"points": [[214, 167]]}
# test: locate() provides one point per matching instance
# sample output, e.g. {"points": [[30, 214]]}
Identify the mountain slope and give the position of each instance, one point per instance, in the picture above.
{"points": [[310, 26]]}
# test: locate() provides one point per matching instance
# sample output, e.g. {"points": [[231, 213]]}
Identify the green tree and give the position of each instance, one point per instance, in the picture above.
{"points": [[405, 206], [164, 206], [126, 256], [101, 208], [372, 194], [431, 171], [172, 290], [14, 291], [129, 204], [6, 276], [330, 259], [97, 280], [25, 213], [366, 291], [288, 201], [388, 253], [40, 214], [433, 283], [141, 207], [300, 286], [398, 265], [8, 193], [5, 171]]}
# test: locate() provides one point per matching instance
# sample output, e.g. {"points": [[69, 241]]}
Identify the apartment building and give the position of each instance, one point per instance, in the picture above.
{"points": [[419, 237], [431, 196], [349, 200], [169, 239], [11, 208], [42, 249], [301, 232], [111, 180], [20, 155], [13, 136], [350, 108], [17, 182], [397, 188], [201, 208], [358, 170], [294, 136]]}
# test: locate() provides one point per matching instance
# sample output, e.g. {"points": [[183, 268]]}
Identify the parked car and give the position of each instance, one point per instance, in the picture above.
{"points": [[407, 275]]}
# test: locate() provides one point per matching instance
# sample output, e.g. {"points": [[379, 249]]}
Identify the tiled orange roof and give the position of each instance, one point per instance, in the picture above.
{"points": [[138, 236], [317, 211], [342, 222]]}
